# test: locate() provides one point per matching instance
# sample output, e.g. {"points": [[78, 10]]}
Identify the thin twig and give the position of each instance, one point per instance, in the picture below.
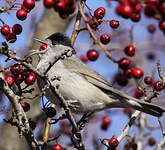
{"points": [[102, 47], [77, 24]]}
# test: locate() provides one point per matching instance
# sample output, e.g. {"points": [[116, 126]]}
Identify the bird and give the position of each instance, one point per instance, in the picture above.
{"points": [[83, 89]]}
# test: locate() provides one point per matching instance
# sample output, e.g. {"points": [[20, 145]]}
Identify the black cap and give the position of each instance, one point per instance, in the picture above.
{"points": [[59, 38]]}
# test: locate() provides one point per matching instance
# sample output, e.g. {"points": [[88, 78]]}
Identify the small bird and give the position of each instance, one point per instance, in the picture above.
{"points": [[83, 88]]}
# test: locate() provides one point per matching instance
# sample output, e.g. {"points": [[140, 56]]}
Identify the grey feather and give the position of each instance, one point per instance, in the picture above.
{"points": [[83, 87]]}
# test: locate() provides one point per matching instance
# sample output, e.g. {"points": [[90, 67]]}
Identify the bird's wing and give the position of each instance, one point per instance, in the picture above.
{"points": [[75, 65], [125, 100]]}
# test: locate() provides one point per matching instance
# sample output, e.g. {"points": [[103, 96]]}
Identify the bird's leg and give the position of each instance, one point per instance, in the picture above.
{"points": [[74, 105], [84, 119], [58, 119]]}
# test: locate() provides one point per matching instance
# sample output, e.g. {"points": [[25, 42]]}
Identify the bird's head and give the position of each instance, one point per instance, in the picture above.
{"points": [[57, 43], [59, 38], [56, 39]]}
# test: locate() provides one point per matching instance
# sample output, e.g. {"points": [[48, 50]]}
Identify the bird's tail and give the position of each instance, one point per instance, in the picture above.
{"points": [[146, 108], [124, 100]]}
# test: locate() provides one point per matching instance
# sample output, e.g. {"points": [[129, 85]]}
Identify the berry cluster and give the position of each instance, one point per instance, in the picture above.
{"points": [[10, 33], [155, 8], [63, 7], [97, 19], [94, 21], [152, 8], [125, 64], [129, 9], [26, 7], [18, 74]]}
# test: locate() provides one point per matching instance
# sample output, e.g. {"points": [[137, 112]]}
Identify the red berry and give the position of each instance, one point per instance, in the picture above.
{"points": [[123, 1], [150, 56], [72, 8], [50, 111], [148, 80], [16, 69], [17, 29], [21, 14], [150, 10], [128, 73], [158, 85], [161, 8], [25, 106], [99, 13], [121, 79], [105, 122], [60, 6], [5, 29], [105, 38], [57, 147], [113, 142], [30, 78], [92, 54], [19, 78], [43, 47], [9, 78], [11, 37], [84, 58], [68, 2], [137, 73], [48, 3], [151, 28], [114, 24], [130, 50], [153, 1], [151, 141], [138, 93], [24, 8], [29, 4], [124, 63], [94, 23], [133, 2], [137, 8], [162, 25], [32, 124], [135, 17], [124, 10]]}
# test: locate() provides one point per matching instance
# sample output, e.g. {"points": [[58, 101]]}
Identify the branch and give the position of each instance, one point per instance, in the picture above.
{"points": [[77, 24], [102, 47], [128, 125], [22, 120]]}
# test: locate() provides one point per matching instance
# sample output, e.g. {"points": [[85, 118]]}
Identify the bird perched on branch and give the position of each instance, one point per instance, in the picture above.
{"points": [[83, 89]]}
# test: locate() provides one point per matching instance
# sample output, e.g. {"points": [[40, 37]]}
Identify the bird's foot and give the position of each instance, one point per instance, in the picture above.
{"points": [[74, 105]]}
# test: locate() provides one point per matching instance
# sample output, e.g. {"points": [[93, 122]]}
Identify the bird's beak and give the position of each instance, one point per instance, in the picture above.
{"points": [[41, 41]]}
